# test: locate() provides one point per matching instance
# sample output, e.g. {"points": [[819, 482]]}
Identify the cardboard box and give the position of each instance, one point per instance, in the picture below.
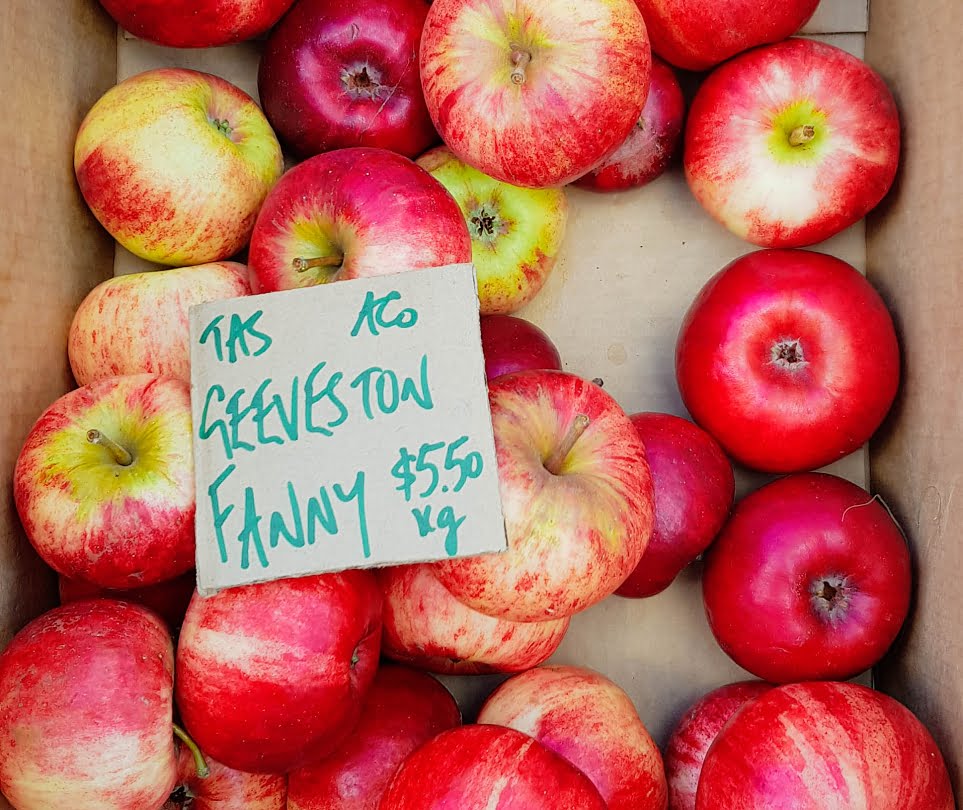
{"points": [[630, 266]]}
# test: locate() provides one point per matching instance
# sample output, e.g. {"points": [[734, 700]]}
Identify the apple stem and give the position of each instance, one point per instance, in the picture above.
{"points": [[520, 59], [557, 459], [199, 762], [121, 455], [301, 265], [802, 135]]}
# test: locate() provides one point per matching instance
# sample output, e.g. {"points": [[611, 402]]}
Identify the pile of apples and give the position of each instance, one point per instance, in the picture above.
{"points": [[394, 135]]}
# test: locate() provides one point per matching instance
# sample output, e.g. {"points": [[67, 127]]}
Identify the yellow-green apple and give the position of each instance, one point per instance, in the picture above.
{"points": [[699, 34], [694, 734], [516, 232], [512, 344], [484, 766], [653, 142], [354, 213], [577, 499], [591, 721], [224, 788], [137, 323], [196, 23], [534, 94], [175, 164], [272, 676], [337, 74], [426, 627], [403, 710], [86, 716], [789, 144], [104, 483]]}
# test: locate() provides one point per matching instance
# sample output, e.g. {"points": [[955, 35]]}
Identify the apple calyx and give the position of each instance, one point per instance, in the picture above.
{"points": [[520, 60], [802, 135], [831, 596], [362, 82], [302, 265], [223, 126], [120, 454], [556, 461], [203, 771], [788, 353], [485, 225]]}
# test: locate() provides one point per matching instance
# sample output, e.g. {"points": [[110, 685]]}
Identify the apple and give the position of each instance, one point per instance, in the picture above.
{"points": [[334, 75], [536, 94], [789, 144], [653, 142], [516, 233], [694, 734], [813, 746], [484, 766], [168, 599], [699, 34], [789, 359], [512, 344], [354, 213], [272, 676], [694, 489], [426, 627], [196, 23], [576, 495], [588, 719], [403, 710], [138, 323], [809, 580], [225, 788], [104, 483], [86, 709], [175, 164]]}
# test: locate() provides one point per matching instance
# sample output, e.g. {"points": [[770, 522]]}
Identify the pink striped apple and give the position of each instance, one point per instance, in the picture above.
{"points": [[426, 627], [175, 164], [86, 710], [104, 484], [592, 722], [272, 676], [137, 323]]}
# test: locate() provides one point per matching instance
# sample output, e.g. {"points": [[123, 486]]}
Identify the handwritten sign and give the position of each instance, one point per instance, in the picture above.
{"points": [[342, 426]]}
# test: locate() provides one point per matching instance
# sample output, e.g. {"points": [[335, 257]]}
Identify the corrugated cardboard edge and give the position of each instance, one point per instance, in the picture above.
{"points": [[915, 258]]}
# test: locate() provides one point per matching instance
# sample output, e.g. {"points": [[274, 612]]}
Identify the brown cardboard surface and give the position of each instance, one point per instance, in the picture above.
{"points": [[58, 59], [915, 250]]}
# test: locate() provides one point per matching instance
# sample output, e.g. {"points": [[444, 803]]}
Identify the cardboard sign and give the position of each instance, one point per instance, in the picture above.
{"points": [[342, 426]]}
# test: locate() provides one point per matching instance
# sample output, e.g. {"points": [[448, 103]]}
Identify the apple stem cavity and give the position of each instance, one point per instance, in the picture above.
{"points": [[120, 454], [203, 771], [556, 461], [802, 135], [302, 265], [520, 60]]}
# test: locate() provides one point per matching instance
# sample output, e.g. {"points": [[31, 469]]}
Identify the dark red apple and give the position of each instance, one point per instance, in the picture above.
{"points": [[404, 709], [694, 487], [809, 580], [653, 142], [337, 74], [485, 766], [513, 344]]}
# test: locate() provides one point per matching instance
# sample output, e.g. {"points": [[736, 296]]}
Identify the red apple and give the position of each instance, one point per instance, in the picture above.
{"points": [[789, 359], [789, 144], [168, 599], [590, 721], [86, 710], [535, 94], [196, 23], [576, 495], [514, 344], [271, 676], [652, 143], [815, 746], [426, 627], [809, 580], [104, 484], [694, 487], [138, 322], [224, 788], [698, 34], [354, 213], [403, 710], [336, 74], [489, 767], [694, 734]]}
